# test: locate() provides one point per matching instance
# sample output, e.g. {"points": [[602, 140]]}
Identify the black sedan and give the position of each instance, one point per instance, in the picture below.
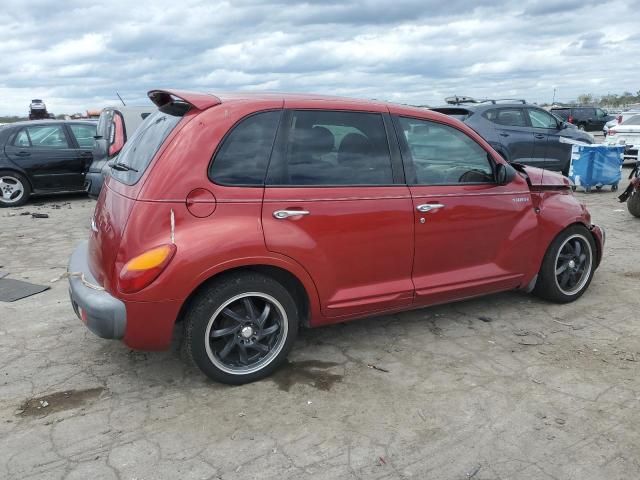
{"points": [[44, 156]]}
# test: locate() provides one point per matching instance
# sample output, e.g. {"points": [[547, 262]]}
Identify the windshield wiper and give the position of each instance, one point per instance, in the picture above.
{"points": [[123, 167]]}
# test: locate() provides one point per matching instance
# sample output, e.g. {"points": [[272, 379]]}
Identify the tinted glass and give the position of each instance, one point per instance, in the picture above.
{"points": [[138, 152], [47, 136], [513, 117], [244, 155], [334, 148], [22, 139], [541, 119], [443, 155], [84, 134]]}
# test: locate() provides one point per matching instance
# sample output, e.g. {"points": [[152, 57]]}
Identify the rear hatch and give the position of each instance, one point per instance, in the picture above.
{"points": [[118, 197]]}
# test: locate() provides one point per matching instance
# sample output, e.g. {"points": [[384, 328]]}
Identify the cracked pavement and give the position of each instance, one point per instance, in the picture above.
{"points": [[501, 387]]}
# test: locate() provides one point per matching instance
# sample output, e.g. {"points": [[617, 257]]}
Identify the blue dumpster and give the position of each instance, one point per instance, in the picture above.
{"points": [[596, 166]]}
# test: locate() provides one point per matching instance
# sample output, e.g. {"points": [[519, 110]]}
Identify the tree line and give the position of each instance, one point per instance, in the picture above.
{"points": [[610, 100]]}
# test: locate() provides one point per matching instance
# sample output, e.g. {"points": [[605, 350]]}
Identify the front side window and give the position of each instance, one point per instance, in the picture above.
{"points": [[443, 155], [244, 154], [326, 148], [84, 134], [601, 113], [44, 136], [541, 119], [513, 117]]}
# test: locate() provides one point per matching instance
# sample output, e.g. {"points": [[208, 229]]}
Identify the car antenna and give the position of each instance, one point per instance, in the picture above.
{"points": [[124, 104]]}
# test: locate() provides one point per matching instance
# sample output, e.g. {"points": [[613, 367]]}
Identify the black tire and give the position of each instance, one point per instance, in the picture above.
{"points": [[551, 284], [581, 127], [229, 294], [633, 204], [614, 187], [10, 182]]}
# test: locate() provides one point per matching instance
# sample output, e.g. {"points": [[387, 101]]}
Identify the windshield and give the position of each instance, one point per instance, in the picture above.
{"points": [[137, 153]]}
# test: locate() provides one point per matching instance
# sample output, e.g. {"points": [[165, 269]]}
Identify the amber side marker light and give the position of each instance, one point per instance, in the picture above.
{"points": [[140, 271]]}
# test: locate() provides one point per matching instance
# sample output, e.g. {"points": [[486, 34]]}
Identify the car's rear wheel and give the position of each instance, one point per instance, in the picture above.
{"points": [[14, 189], [241, 328], [568, 266], [633, 204]]}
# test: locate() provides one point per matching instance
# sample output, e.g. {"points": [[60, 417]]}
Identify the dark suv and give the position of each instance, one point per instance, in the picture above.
{"points": [[591, 119], [520, 132]]}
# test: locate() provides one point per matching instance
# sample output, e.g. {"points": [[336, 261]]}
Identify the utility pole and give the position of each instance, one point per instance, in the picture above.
{"points": [[553, 102]]}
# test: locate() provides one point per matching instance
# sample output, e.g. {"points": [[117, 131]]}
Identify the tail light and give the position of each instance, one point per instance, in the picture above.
{"points": [[570, 119], [611, 132], [619, 118], [140, 271]]}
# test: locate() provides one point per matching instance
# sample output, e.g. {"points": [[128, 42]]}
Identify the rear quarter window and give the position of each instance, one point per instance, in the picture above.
{"points": [[137, 153], [244, 154]]}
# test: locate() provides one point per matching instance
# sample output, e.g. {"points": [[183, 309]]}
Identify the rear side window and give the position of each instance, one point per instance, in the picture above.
{"points": [[513, 117], [326, 148], [138, 152], [84, 134], [442, 155], [42, 136], [244, 154]]}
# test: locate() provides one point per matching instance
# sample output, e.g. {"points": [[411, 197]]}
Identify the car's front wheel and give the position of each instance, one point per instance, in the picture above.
{"points": [[568, 266], [14, 189], [240, 328]]}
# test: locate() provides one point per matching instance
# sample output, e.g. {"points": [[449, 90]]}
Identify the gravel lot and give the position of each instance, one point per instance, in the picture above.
{"points": [[502, 387]]}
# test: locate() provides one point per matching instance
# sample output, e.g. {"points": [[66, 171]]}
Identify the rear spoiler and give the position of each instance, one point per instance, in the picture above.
{"points": [[199, 101]]}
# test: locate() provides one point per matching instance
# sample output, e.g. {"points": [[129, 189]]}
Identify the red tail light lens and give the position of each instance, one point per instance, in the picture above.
{"points": [[619, 118], [570, 119], [611, 133], [140, 271]]}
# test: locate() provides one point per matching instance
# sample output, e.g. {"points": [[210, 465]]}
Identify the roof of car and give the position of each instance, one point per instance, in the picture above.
{"points": [[203, 101], [483, 106], [47, 122]]}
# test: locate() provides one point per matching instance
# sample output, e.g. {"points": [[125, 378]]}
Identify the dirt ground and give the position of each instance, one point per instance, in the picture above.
{"points": [[503, 387]]}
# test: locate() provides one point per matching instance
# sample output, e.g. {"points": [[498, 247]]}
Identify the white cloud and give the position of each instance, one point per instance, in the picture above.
{"points": [[75, 54]]}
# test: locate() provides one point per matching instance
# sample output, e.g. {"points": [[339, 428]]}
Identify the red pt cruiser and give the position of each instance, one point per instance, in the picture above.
{"points": [[246, 216]]}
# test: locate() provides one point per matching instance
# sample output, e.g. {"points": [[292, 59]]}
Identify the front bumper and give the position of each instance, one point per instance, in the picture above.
{"points": [[102, 313]]}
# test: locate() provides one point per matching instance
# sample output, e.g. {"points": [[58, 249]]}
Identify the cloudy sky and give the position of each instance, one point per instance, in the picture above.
{"points": [[75, 54]]}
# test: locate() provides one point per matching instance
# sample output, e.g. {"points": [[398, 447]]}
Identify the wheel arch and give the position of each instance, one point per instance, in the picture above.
{"points": [[11, 168], [302, 296]]}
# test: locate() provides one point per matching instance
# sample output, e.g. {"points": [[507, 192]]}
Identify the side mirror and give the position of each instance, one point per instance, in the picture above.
{"points": [[504, 174]]}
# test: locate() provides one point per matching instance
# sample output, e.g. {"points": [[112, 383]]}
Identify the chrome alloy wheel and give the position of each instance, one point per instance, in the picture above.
{"points": [[11, 189], [573, 264], [246, 333]]}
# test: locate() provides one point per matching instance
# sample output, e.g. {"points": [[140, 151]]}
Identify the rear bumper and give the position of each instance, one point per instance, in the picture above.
{"points": [[94, 182], [102, 313], [140, 325]]}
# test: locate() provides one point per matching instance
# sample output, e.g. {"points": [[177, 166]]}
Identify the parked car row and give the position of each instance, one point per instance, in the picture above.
{"points": [[59, 156], [591, 119], [521, 132], [627, 133], [246, 217]]}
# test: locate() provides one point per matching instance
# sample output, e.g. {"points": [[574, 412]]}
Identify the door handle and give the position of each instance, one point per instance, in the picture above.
{"points": [[23, 154], [427, 207], [503, 134], [539, 135], [282, 214]]}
